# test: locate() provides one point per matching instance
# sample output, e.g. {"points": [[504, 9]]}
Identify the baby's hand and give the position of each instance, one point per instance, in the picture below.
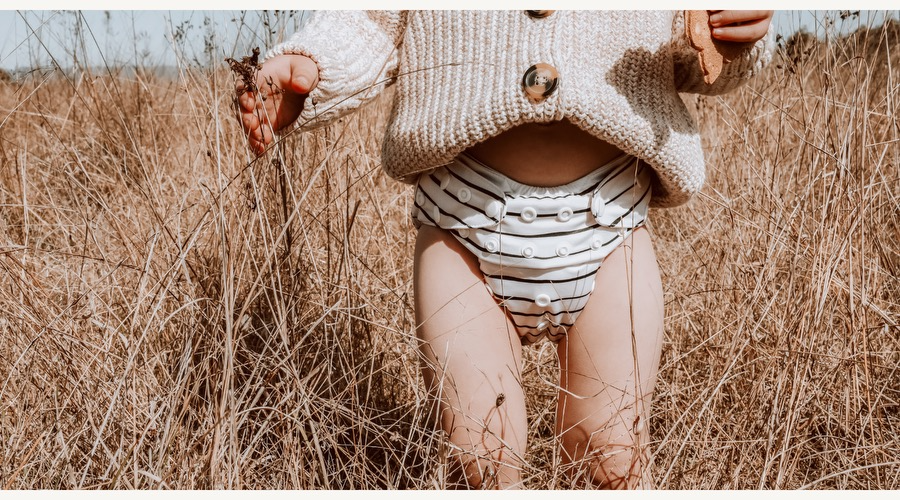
{"points": [[284, 82], [743, 26]]}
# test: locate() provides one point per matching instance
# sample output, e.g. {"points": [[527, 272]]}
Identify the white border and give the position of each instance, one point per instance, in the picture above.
{"points": [[452, 4], [404, 495]]}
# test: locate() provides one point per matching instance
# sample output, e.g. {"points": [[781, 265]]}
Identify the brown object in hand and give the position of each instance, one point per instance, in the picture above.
{"points": [[713, 54]]}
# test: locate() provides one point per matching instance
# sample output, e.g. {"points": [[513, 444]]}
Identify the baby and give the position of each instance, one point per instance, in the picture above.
{"points": [[536, 141]]}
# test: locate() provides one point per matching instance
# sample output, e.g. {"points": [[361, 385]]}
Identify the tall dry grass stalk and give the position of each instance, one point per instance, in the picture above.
{"points": [[178, 314]]}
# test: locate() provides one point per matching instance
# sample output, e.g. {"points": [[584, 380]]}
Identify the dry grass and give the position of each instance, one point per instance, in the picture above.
{"points": [[177, 314]]}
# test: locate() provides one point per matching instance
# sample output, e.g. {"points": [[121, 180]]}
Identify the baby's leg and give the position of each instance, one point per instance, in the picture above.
{"points": [[609, 362], [471, 362]]}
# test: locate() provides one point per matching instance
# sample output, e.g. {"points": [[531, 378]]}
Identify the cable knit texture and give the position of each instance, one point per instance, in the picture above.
{"points": [[459, 81]]}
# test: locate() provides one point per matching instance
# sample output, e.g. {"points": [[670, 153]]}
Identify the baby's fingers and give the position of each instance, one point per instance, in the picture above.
{"points": [[257, 146], [742, 33], [728, 17], [256, 141], [249, 120], [246, 99], [259, 132], [740, 25]]}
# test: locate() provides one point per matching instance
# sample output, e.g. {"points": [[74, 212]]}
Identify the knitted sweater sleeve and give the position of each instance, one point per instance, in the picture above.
{"points": [[689, 75], [356, 58]]}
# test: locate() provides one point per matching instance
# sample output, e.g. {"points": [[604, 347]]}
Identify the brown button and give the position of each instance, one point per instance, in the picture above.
{"points": [[540, 81], [539, 14]]}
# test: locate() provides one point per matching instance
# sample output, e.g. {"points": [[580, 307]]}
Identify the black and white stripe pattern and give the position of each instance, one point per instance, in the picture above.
{"points": [[538, 247]]}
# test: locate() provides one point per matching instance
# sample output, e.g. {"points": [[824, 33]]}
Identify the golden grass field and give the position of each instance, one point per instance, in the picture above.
{"points": [[175, 313]]}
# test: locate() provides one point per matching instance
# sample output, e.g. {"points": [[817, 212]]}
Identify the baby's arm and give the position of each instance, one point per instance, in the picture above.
{"points": [[748, 28], [338, 61]]}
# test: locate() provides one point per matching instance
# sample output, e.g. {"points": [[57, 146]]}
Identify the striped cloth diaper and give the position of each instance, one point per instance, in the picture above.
{"points": [[539, 248]]}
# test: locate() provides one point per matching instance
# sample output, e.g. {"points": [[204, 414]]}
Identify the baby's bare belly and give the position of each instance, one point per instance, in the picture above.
{"points": [[544, 154]]}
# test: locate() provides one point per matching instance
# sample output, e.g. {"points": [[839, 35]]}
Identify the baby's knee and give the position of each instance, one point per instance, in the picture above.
{"points": [[604, 460], [488, 464]]}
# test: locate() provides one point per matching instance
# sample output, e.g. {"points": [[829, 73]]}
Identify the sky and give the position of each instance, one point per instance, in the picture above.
{"points": [[172, 37], [145, 37]]}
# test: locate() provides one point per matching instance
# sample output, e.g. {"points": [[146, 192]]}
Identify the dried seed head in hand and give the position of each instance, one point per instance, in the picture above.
{"points": [[246, 69]]}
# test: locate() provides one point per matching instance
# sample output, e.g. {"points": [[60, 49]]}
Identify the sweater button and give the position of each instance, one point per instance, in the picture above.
{"points": [[539, 14], [540, 81]]}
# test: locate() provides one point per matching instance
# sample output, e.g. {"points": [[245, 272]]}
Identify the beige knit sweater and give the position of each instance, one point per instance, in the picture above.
{"points": [[459, 81]]}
